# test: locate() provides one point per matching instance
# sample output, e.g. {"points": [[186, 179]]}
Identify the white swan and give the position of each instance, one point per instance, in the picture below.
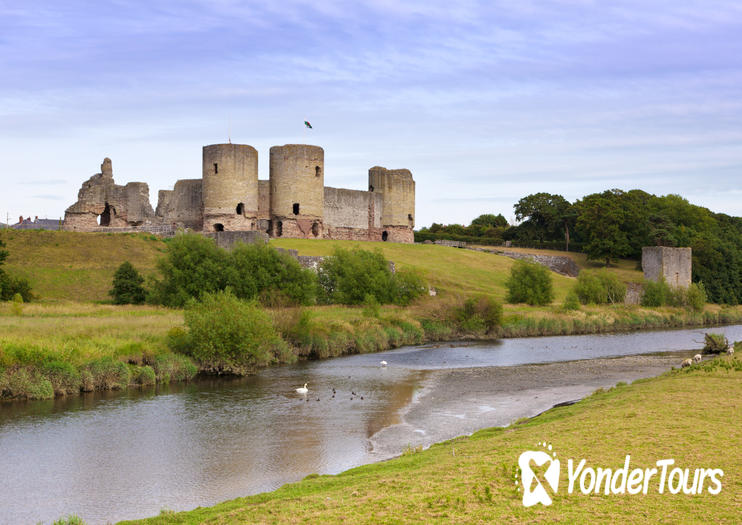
{"points": [[383, 363], [302, 389]]}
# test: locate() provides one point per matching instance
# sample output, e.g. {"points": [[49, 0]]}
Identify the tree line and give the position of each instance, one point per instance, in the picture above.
{"points": [[617, 224]]}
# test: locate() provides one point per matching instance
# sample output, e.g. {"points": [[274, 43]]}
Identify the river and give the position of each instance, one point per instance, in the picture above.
{"points": [[123, 455]]}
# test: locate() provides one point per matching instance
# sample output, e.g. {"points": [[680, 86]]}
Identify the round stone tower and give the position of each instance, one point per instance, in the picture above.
{"points": [[230, 187], [297, 190], [398, 209]]}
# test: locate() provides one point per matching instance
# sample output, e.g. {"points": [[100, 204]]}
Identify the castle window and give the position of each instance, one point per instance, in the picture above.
{"points": [[240, 209], [218, 227], [315, 229], [105, 218], [279, 229], [409, 216], [384, 236], [317, 171], [296, 208], [216, 168], [370, 188]]}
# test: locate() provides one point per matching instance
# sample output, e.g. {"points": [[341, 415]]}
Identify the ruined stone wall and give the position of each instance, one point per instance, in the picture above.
{"points": [[675, 264], [297, 190], [230, 187], [227, 239], [181, 206], [100, 198]]}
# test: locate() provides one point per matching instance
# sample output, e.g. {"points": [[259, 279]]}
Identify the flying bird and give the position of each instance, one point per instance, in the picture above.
{"points": [[307, 124]]}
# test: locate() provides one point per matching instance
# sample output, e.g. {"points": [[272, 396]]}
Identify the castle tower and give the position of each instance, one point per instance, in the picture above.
{"points": [[398, 211], [297, 190], [230, 187]]}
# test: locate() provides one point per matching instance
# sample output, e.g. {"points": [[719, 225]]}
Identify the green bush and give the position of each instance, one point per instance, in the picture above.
{"points": [[350, 276], [656, 293], [127, 285], [695, 297], [173, 367], [599, 287], [715, 343], [259, 268], [571, 302], [107, 374], [11, 286], [63, 376], [23, 383], [529, 283], [144, 375], [195, 265], [480, 314], [228, 335]]}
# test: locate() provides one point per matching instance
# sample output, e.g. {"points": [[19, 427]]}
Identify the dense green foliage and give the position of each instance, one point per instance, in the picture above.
{"points": [[354, 276], [715, 343], [529, 283], [10, 285], [616, 223], [599, 287], [659, 293], [485, 229], [480, 314], [127, 285], [228, 335], [195, 265]]}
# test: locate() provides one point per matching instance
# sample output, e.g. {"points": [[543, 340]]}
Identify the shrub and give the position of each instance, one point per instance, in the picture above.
{"points": [[480, 314], [571, 302], [11, 286], [173, 367], [529, 283], [715, 343], [195, 265], [599, 287], [64, 377], [108, 374], [22, 383], [228, 335], [656, 293], [695, 297], [127, 285], [144, 375], [350, 276], [278, 278]]}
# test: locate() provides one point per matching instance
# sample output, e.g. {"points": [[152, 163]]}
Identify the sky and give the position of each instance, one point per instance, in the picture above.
{"points": [[485, 102]]}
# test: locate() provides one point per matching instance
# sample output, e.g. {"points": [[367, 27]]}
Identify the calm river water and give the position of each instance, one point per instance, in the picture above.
{"points": [[115, 456]]}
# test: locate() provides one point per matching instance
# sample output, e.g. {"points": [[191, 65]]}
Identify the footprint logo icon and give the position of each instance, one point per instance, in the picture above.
{"points": [[546, 466]]}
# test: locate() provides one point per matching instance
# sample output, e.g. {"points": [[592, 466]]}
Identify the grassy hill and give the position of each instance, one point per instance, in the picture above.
{"points": [[80, 266], [76, 266], [449, 269]]}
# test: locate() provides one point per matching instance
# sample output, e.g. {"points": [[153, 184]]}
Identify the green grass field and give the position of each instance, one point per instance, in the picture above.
{"points": [[448, 269], [689, 415]]}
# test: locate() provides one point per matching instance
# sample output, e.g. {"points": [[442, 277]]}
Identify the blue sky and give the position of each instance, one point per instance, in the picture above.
{"points": [[485, 102]]}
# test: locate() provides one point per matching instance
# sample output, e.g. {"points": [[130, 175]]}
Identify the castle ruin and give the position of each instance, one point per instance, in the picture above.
{"points": [[672, 264], [294, 202]]}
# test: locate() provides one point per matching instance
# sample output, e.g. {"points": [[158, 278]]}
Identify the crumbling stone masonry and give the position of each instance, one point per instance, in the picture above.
{"points": [[674, 264], [294, 202]]}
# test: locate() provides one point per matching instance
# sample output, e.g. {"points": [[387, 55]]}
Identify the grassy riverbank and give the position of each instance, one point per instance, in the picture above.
{"points": [[689, 415], [63, 348]]}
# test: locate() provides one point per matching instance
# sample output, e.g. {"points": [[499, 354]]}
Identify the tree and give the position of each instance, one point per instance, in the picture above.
{"points": [[529, 283], [600, 217], [127, 285], [546, 217], [490, 220]]}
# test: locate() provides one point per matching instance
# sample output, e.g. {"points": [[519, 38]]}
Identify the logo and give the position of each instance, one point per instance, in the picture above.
{"points": [[534, 489], [539, 472]]}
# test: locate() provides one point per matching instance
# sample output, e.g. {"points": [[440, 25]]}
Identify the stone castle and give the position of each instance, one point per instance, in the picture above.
{"points": [[294, 202]]}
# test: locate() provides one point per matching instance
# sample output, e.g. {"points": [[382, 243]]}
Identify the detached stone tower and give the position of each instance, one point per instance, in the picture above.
{"points": [[674, 264], [398, 214], [230, 187], [297, 191]]}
